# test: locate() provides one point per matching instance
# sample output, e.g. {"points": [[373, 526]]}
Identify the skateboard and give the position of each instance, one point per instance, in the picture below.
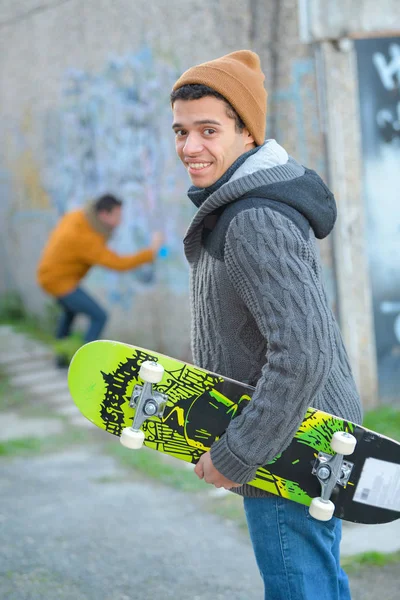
{"points": [[333, 466]]}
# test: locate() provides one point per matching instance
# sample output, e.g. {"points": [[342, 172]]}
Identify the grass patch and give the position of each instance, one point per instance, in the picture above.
{"points": [[68, 346], [11, 306], [352, 564], [72, 436], [14, 313], [41, 328], [31, 327], [384, 420], [21, 446], [151, 464]]}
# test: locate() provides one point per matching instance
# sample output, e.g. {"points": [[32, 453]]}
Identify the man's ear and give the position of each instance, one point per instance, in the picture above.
{"points": [[248, 139]]}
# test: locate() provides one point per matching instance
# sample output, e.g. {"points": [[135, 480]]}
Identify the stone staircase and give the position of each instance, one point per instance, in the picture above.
{"points": [[30, 367]]}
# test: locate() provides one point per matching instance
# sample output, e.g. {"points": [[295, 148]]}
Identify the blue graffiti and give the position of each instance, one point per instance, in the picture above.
{"points": [[303, 98]]}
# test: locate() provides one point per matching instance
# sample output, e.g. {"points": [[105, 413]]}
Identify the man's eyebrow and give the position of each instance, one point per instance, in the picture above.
{"points": [[200, 122]]}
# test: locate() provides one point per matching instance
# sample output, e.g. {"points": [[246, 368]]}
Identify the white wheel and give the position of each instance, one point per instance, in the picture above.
{"points": [[322, 510], [151, 372], [132, 439], [343, 443]]}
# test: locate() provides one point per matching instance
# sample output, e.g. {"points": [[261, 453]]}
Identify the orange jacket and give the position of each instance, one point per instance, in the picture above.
{"points": [[73, 247]]}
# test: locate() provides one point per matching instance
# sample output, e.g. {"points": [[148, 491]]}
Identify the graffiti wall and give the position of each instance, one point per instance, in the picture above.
{"points": [[379, 94], [108, 131], [112, 133]]}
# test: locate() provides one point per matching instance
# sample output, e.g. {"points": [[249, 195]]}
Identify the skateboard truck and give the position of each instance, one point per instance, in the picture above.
{"points": [[147, 402], [330, 471]]}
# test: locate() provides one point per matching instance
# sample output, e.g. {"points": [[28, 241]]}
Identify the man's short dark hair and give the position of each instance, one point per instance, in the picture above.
{"points": [[195, 91], [107, 203]]}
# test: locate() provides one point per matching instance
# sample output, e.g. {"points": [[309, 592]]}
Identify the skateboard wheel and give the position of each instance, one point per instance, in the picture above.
{"points": [[322, 510], [131, 438], [343, 443], [151, 372]]}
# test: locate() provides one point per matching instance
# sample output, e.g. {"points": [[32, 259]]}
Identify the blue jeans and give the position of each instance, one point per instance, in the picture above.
{"points": [[298, 556], [75, 303]]}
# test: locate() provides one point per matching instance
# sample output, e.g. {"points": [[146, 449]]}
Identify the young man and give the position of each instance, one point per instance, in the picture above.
{"points": [[260, 313], [77, 243]]}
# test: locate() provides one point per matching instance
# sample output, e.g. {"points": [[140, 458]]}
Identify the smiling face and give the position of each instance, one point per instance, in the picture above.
{"points": [[206, 139]]}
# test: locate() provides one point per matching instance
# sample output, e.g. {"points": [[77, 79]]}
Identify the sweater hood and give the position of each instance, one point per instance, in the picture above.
{"points": [[92, 218], [272, 174]]}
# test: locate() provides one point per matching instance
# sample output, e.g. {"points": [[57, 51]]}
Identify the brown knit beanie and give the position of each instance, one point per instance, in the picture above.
{"points": [[239, 79]]}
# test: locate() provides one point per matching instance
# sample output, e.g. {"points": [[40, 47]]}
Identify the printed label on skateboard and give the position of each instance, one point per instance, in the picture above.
{"points": [[379, 484]]}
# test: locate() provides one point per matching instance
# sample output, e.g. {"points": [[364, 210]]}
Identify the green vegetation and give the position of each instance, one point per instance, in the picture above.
{"points": [[13, 313], [385, 420], [11, 307], [155, 465], [353, 564], [20, 446], [68, 346], [31, 326], [72, 436]]}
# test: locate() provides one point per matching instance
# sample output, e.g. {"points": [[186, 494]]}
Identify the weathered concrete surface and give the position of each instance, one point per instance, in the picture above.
{"points": [[74, 526], [14, 427], [332, 20], [358, 539], [352, 277]]}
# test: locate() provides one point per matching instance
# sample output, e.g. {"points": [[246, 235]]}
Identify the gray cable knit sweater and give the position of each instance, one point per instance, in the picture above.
{"points": [[259, 310]]}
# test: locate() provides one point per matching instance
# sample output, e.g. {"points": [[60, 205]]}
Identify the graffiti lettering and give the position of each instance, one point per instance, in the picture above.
{"points": [[389, 122], [388, 117], [389, 70]]}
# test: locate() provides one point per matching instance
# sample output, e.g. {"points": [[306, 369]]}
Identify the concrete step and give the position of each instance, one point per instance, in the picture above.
{"points": [[31, 366], [68, 410], [23, 356], [18, 341], [81, 421], [6, 330], [13, 427], [73, 414], [60, 398], [52, 388], [38, 376]]}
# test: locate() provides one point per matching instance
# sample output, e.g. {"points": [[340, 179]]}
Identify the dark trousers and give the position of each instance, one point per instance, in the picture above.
{"points": [[79, 302]]}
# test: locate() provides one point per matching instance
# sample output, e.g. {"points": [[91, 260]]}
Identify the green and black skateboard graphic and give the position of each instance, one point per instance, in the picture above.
{"points": [[331, 465]]}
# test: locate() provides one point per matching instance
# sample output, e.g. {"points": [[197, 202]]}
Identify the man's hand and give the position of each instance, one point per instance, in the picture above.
{"points": [[206, 470], [157, 241]]}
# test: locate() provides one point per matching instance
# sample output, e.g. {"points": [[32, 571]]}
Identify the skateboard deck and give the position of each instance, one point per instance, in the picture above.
{"points": [[103, 376]]}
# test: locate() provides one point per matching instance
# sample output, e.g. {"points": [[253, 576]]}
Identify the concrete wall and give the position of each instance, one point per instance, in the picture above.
{"points": [[324, 19], [354, 297]]}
